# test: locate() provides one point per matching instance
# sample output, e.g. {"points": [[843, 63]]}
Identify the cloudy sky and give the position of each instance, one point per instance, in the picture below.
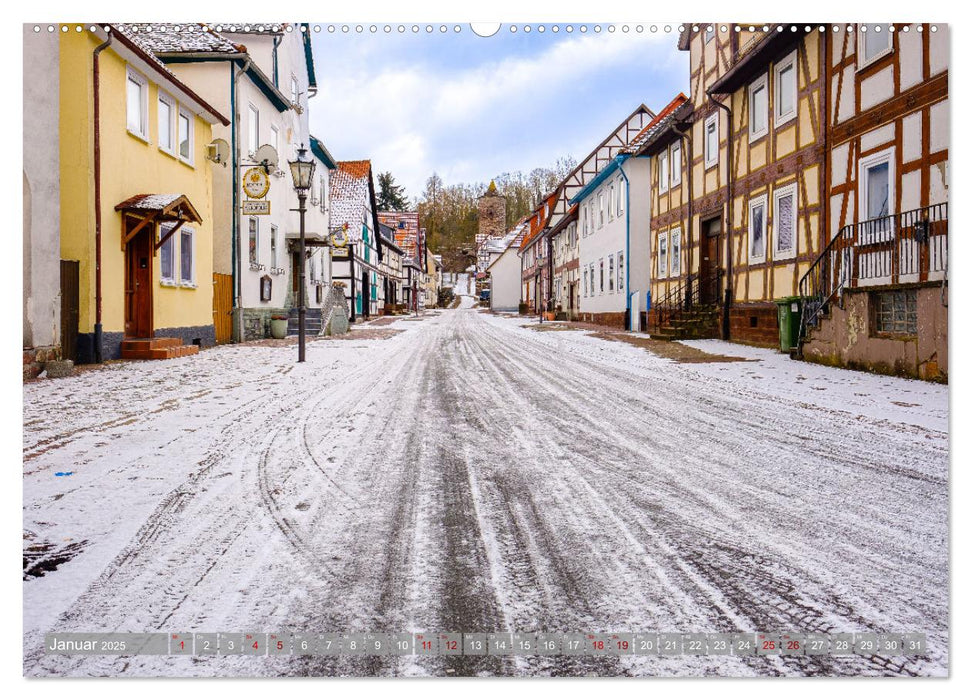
{"points": [[471, 108]]}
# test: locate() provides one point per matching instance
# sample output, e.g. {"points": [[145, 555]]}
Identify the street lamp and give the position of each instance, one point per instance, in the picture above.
{"points": [[302, 171]]}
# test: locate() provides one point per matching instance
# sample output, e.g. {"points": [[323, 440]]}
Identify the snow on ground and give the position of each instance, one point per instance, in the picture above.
{"points": [[472, 474]]}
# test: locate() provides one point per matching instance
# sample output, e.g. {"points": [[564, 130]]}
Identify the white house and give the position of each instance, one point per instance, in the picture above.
{"points": [[505, 273], [614, 242], [357, 265]]}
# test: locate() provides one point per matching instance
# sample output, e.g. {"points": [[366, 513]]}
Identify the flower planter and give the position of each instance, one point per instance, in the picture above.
{"points": [[278, 328]]}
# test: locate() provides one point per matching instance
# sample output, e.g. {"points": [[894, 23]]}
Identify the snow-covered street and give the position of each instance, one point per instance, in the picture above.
{"points": [[469, 472]]}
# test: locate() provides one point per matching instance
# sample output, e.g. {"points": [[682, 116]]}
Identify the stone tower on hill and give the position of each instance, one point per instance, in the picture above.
{"points": [[492, 215]]}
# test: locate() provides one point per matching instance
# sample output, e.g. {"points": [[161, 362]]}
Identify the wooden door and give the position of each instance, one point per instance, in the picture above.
{"points": [[222, 306], [709, 263], [138, 283], [70, 308]]}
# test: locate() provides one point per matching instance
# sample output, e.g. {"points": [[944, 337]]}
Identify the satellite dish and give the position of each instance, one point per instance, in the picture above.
{"points": [[218, 151], [266, 155]]}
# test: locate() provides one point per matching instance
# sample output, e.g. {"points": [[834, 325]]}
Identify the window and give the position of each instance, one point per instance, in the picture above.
{"points": [[584, 281], [756, 229], [601, 275], [675, 252], [273, 259], [166, 123], [583, 218], [621, 192], [610, 273], [785, 89], [187, 271], [600, 208], [874, 42], [676, 163], [166, 255], [254, 241], [784, 222], [137, 96], [662, 255], [711, 140], [896, 311], [758, 100], [185, 136], [253, 130], [877, 196], [611, 201], [620, 269], [662, 172]]}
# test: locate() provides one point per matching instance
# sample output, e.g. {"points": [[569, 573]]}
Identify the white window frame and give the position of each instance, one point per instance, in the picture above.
{"points": [[662, 254], [753, 204], [601, 267], [862, 59], [585, 281], [621, 186], [170, 280], [675, 164], [274, 245], [662, 172], [173, 124], [249, 231], [142, 81], [600, 210], [863, 201], [711, 159], [674, 261], [252, 129], [191, 119], [620, 270], [611, 285], [610, 203], [777, 196], [762, 82], [778, 116], [191, 281]]}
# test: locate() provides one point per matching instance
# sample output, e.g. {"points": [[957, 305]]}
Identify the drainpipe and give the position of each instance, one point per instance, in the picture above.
{"points": [[236, 219], [727, 302], [98, 328], [686, 179], [630, 318], [276, 62]]}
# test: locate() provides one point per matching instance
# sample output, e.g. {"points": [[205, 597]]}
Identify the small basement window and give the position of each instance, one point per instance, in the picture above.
{"points": [[896, 311]]}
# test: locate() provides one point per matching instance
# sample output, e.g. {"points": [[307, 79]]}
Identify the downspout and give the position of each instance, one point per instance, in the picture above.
{"points": [[688, 180], [727, 302], [276, 62], [98, 328], [236, 218], [630, 318]]}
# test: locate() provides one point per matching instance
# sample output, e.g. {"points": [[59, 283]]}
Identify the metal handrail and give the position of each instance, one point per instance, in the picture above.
{"points": [[684, 297], [892, 249]]}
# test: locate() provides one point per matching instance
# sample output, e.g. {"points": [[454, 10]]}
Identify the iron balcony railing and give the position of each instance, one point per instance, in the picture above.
{"points": [[694, 290], [896, 249]]}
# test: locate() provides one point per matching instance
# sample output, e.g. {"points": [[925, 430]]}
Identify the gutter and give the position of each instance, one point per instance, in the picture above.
{"points": [[98, 328], [236, 219], [630, 318], [729, 292]]}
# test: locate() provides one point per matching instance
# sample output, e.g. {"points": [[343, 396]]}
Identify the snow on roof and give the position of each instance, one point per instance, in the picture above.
{"points": [[171, 37], [350, 195]]}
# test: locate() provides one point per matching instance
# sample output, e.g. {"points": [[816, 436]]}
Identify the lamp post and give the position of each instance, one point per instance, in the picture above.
{"points": [[302, 171]]}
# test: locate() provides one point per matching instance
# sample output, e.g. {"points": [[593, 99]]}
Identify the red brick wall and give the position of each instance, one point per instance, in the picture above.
{"points": [[756, 324]]}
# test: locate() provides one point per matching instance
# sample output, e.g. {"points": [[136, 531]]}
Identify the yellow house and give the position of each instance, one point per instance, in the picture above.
{"points": [[136, 199]]}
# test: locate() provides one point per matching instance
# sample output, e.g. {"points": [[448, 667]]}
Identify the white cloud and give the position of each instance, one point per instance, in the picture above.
{"points": [[470, 122]]}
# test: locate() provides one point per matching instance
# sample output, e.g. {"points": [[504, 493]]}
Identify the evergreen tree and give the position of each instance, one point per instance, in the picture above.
{"points": [[391, 197]]}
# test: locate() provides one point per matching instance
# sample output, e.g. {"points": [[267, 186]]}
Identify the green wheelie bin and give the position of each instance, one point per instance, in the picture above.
{"points": [[790, 316]]}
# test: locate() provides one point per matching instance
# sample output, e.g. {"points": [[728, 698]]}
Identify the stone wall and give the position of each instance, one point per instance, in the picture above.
{"points": [[335, 313], [256, 321], [36, 358], [492, 215], [847, 338]]}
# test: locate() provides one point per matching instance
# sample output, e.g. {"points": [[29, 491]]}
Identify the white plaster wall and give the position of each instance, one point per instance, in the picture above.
{"points": [[876, 88], [911, 58], [41, 196], [505, 281], [877, 137], [940, 126], [912, 127], [940, 49]]}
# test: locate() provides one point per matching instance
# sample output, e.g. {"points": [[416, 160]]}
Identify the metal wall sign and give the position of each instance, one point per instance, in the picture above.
{"points": [[339, 252], [256, 207], [256, 183]]}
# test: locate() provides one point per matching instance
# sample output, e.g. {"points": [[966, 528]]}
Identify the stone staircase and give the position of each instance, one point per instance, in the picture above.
{"points": [[313, 319], [699, 322], [155, 349]]}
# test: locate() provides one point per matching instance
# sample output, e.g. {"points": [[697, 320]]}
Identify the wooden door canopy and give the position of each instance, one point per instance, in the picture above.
{"points": [[157, 208]]}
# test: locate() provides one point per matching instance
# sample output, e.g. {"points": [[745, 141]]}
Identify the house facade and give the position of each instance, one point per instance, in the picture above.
{"points": [[135, 200], [263, 79], [357, 263], [876, 297], [410, 237], [393, 266], [505, 273]]}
